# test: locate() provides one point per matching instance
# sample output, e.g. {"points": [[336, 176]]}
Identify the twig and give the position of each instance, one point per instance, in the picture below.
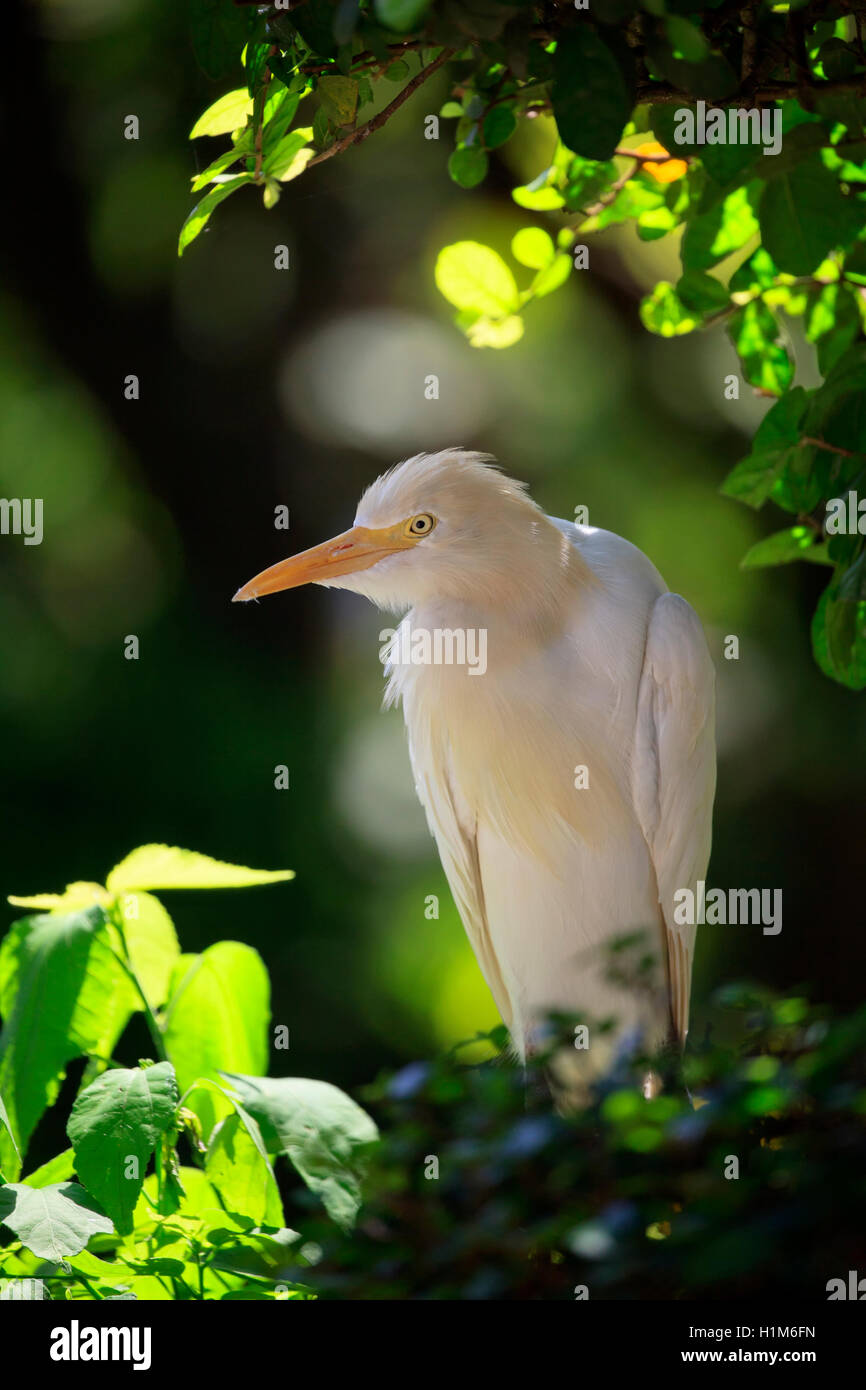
{"points": [[649, 158], [355, 137], [613, 192], [261, 98], [831, 448], [750, 41]]}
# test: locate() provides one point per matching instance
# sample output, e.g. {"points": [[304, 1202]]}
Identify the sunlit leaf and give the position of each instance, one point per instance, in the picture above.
{"points": [[114, 1127], [53, 1221], [473, 276], [165, 866], [217, 1017], [321, 1129], [197, 219], [228, 113]]}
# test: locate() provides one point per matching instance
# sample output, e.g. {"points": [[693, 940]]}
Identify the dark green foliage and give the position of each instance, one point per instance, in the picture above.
{"points": [[630, 1197]]}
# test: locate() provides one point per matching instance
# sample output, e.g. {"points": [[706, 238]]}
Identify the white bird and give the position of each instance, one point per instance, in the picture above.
{"points": [[591, 663]]}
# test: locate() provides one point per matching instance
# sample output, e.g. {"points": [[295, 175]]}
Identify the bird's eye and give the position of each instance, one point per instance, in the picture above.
{"points": [[420, 525]]}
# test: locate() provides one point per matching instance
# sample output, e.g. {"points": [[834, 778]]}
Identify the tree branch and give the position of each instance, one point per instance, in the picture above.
{"points": [[355, 137]]}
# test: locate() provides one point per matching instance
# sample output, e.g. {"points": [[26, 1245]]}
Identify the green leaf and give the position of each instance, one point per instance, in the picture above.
{"points": [[701, 292], [545, 198], [473, 276], [228, 113], [635, 199], [278, 120], [219, 166], [62, 995], [52, 1222], [663, 312], [838, 59], [727, 226], [7, 1125], [314, 21], [340, 95], [291, 155], [686, 37], [237, 1165], [258, 1255], [217, 1017], [397, 72], [591, 99], [400, 15], [775, 446], [198, 218], [586, 179], [832, 323], [467, 166], [114, 1127], [533, 246], [781, 548], [485, 332], [836, 410], [322, 1131], [219, 32], [804, 216], [839, 628], [755, 334], [498, 126], [166, 866], [152, 944], [550, 277]]}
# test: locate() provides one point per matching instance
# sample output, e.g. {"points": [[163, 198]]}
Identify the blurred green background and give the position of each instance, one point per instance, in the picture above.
{"points": [[262, 388]]}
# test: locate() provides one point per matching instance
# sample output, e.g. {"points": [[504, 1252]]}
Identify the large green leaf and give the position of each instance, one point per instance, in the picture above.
{"points": [[321, 1129], [62, 995], [238, 1167], [217, 1018], [756, 335], [775, 446], [796, 543], [804, 216], [114, 1127], [472, 276], [839, 628], [53, 1221], [723, 228], [152, 944], [7, 1124], [228, 113], [198, 218], [590, 95], [166, 866], [219, 32]]}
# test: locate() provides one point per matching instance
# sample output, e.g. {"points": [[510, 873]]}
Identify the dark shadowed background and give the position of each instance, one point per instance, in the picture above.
{"points": [[262, 388]]}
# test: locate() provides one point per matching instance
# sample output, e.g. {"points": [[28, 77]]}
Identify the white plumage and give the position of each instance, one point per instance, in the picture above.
{"points": [[591, 663]]}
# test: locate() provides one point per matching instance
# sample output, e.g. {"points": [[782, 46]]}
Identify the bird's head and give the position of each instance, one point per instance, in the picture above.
{"points": [[438, 526]]}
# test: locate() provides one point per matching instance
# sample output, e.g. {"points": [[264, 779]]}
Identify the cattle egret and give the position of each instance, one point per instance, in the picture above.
{"points": [[569, 781]]}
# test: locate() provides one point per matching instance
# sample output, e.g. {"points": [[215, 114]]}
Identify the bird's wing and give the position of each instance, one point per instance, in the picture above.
{"points": [[675, 773], [457, 842]]}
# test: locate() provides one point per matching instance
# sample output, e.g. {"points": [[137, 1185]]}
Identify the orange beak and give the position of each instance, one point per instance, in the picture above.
{"points": [[356, 549]]}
